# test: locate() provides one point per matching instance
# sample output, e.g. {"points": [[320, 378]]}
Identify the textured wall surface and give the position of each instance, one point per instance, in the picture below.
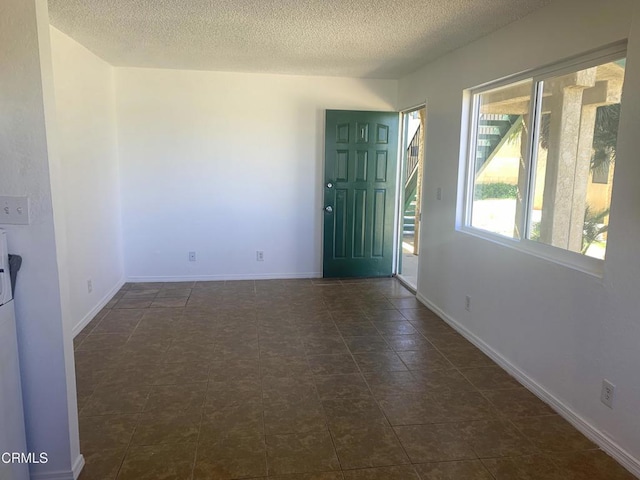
{"points": [[351, 38]]}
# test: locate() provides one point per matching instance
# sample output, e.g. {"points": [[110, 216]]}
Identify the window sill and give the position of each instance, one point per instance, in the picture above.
{"points": [[575, 261]]}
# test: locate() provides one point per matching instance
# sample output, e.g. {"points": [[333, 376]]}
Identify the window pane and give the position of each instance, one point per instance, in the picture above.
{"points": [[499, 175], [576, 150]]}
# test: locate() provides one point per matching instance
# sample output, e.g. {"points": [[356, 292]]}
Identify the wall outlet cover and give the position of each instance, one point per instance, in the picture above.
{"points": [[606, 395]]}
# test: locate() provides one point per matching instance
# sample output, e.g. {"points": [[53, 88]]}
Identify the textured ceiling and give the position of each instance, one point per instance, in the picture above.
{"points": [[354, 38]]}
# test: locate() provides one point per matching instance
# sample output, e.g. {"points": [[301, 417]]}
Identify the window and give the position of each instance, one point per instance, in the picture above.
{"points": [[500, 141], [542, 156]]}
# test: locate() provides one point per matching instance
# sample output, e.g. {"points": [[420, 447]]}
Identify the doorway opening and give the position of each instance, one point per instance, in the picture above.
{"points": [[410, 193]]}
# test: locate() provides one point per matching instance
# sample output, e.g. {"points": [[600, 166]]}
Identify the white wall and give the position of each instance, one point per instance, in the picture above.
{"points": [[559, 329], [85, 101], [29, 166], [225, 164]]}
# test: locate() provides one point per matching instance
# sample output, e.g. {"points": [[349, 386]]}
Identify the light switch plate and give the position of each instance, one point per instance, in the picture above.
{"points": [[14, 210]]}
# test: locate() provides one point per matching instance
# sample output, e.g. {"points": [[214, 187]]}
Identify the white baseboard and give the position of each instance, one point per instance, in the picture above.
{"points": [[213, 278], [62, 475], [581, 424], [94, 311], [72, 474], [78, 465]]}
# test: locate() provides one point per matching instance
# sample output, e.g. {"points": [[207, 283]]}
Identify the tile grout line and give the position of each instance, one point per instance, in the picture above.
{"points": [[204, 400], [370, 319], [127, 450], [410, 370], [377, 402], [481, 392], [264, 425], [306, 355]]}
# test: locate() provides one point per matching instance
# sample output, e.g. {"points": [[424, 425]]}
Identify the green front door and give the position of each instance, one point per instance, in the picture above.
{"points": [[359, 193]]}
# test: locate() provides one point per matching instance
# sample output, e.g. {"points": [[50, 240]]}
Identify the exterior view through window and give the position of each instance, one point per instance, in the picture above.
{"points": [[543, 153]]}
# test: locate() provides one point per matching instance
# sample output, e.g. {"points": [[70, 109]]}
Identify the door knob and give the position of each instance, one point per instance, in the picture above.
{"points": [[329, 185], [328, 209]]}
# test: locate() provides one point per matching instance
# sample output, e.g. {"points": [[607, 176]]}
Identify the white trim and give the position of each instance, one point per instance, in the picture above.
{"points": [[238, 276], [471, 102], [78, 465], [416, 108], [576, 261], [590, 58], [72, 474], [398, 219], [601, 439], [401, 180], [61, 475], [612, 53], [531, 166], [399, 194], [94, 311], [471, 157]]}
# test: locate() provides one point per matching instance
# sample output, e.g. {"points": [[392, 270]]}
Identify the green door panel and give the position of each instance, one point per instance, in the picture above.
{"points": [[360, 167]]}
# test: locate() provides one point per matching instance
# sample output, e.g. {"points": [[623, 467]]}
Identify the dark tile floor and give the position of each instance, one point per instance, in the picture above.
{"points": [[310, 380]]}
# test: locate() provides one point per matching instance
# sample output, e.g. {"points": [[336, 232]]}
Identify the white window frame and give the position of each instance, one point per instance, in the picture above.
{"points": [[574, 260]]}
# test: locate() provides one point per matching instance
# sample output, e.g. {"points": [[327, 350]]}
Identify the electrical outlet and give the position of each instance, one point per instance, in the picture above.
{"points": [[89, 286], [259, 256], [192, 256], [467, 303], [606, 396], [439, 194]]}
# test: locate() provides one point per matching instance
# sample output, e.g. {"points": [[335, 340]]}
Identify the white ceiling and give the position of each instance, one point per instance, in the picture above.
{"points": [[353, 38]]}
